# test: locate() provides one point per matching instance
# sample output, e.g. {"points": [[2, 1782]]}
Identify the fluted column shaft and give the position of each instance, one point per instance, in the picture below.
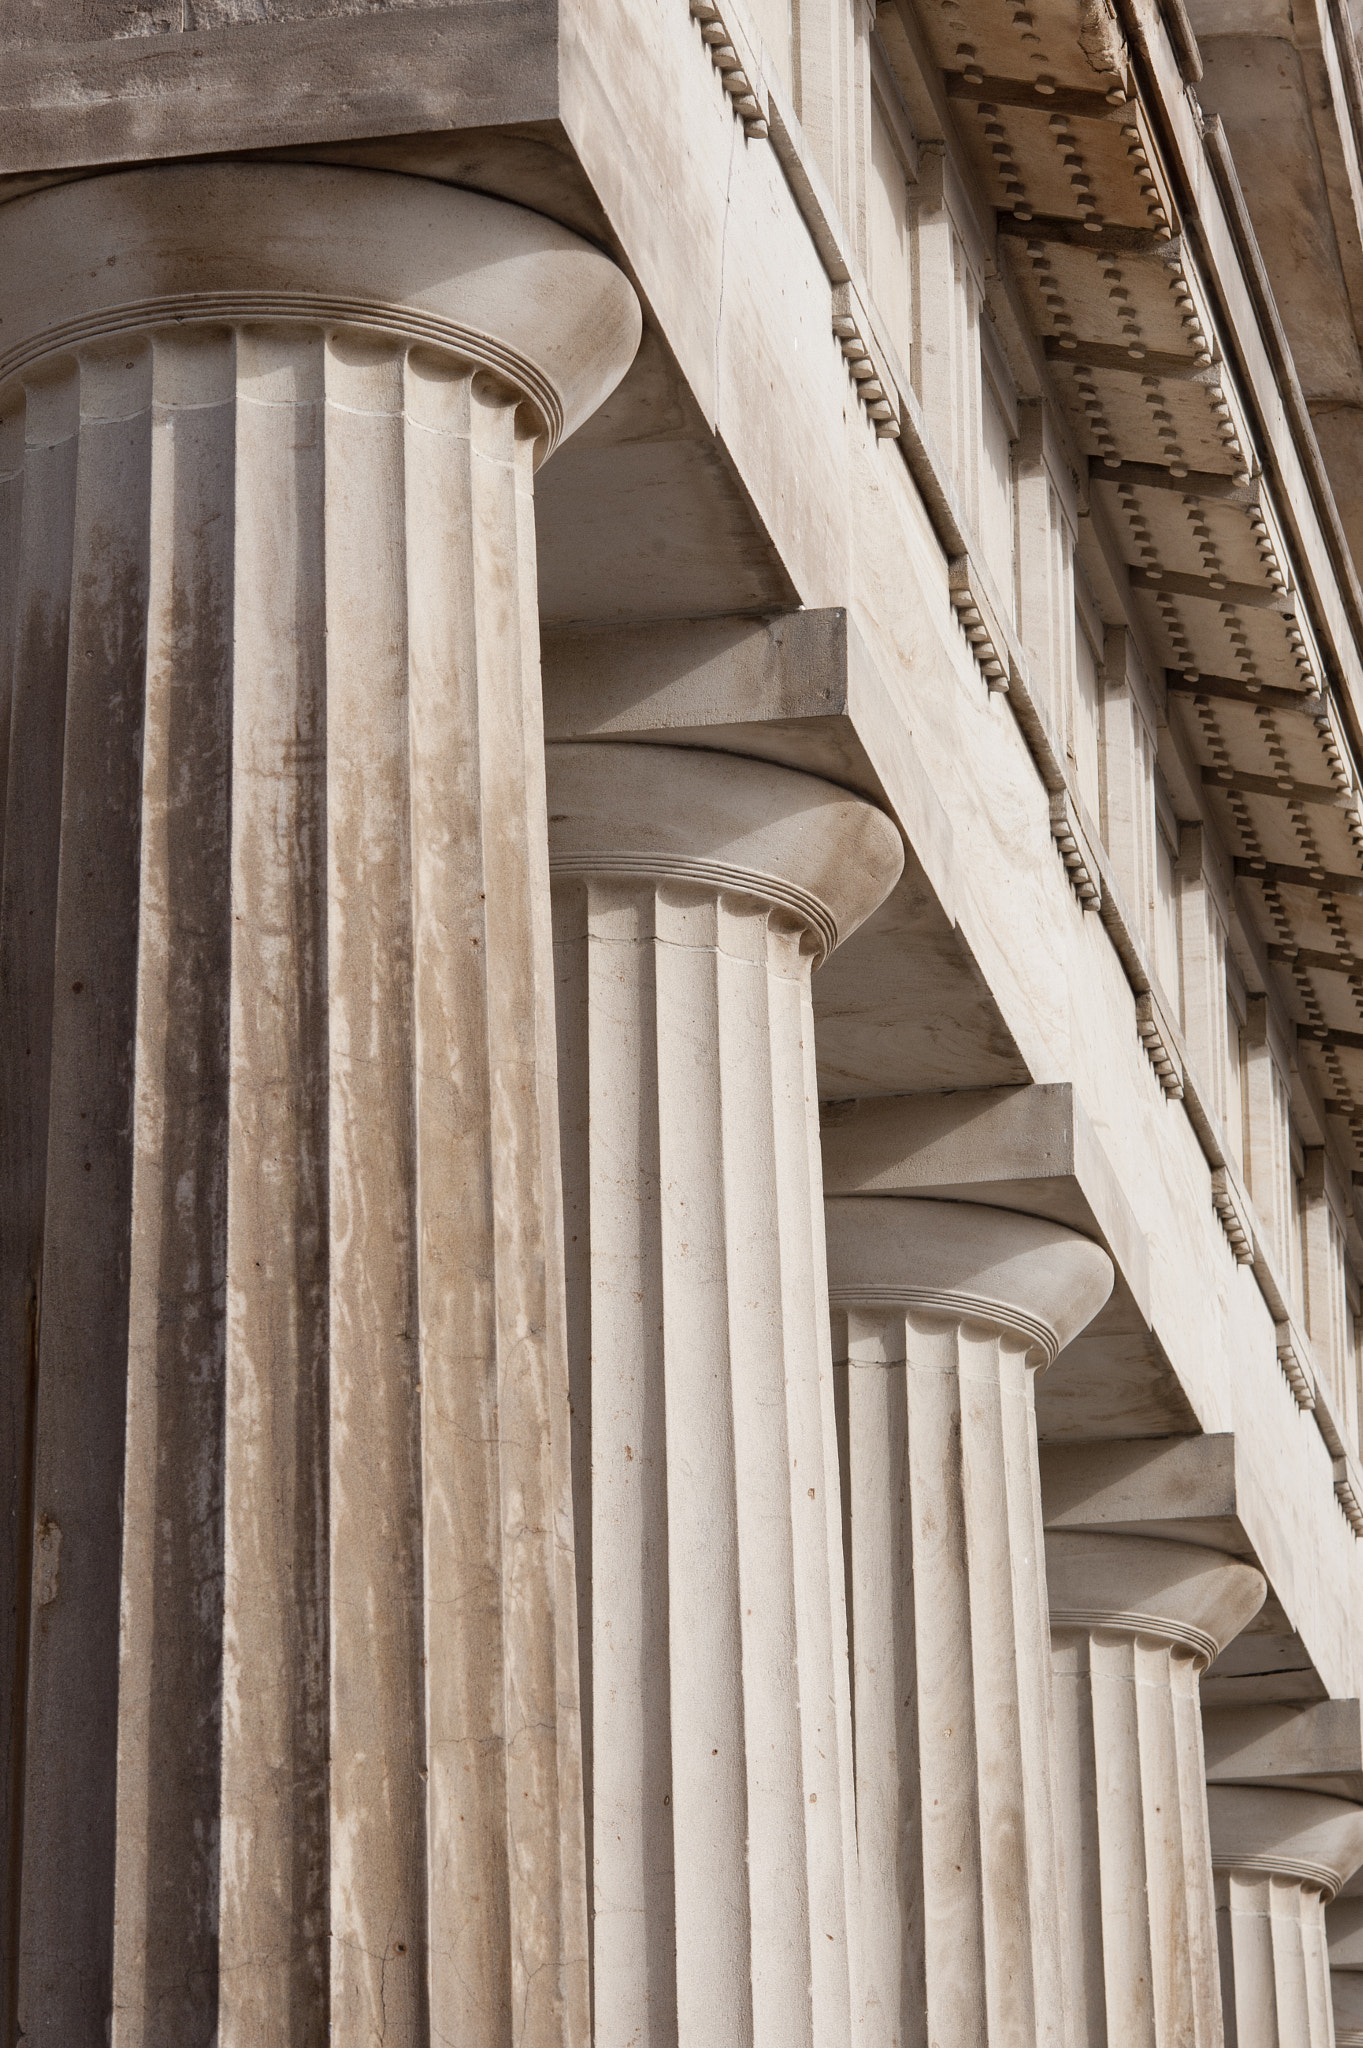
{"points": [[1279, 1855], [942, 1313], [1134, 1623], [296, 1757], [1344, 1937], [692, 893]]}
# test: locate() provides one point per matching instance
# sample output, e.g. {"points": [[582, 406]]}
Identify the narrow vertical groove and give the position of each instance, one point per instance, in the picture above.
{"points": [[11, 538], [562, 1818], [67, 1909], [1077, 1816], [951, 1876], [1198, 1890], [822, 1762], [873, 1413], [528, 1299], [28, 912], [1161, 1929], [705, 1657], [766, 1468], [12, 1427], [377, 1724], [611, 1166], [169, 1738], [274, 1904], [995, 1473], [455, 958], [577, 1128]]}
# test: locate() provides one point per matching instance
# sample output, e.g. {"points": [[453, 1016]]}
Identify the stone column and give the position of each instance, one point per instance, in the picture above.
{"points": [[943, 1313], [295, 1748], [1279, 1855], [693, 894], [1344, 1937], [1134, 1623]]}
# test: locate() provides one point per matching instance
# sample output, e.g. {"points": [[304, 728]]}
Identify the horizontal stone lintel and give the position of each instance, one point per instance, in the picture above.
{"points": [[1154, 362], [1032, 1149], [1317, 1746], [1253, 595], [1122, 241], [1022, 92], [1309, 702], [1297, 878], [1193, 483], [273, 84], [1269, 785], [1175, 1485], [1319, 963]]}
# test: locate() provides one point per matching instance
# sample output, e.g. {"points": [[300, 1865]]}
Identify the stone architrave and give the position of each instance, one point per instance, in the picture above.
{"points": [[296, 1756], [1279, 1856], [943, 1313], [694, 892], [1134, 1623]]}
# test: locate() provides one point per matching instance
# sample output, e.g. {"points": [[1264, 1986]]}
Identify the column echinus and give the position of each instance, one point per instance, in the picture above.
{"points": [[1134, 1623], [943, 1313], [1279, 1856], [694, 893], [294, 1754]]}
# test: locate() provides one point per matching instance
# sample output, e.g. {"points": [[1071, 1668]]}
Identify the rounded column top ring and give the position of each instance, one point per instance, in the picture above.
{"points": [[1282, 1832], [1190, 1596], [504, 288], [724, 822], [966, 1261]]}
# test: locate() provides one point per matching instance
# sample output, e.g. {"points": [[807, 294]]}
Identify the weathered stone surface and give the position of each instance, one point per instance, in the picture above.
{"points": [[1279, 1856], [942, 1313], [692, 894], [1134, 1623], [298, 1725]]}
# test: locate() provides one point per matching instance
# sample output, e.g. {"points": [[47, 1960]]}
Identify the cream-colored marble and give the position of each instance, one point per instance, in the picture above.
{"points": [[1344, 1938], [1279, 1855], [302, 1750], [693, 893], [943, 1312], [1134, 1623]]}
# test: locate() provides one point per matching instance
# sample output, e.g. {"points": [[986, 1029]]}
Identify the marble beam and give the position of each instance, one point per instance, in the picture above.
{"points": [[1278, 1857], [943, 1313], [294, 1750], [694, 893], [1134, 1623]]}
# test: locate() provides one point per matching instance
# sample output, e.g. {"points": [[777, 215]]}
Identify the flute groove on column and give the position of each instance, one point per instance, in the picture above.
{"points": [[297, 1752]]}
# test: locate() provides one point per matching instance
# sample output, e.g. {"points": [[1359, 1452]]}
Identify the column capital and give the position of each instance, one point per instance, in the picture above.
{"points": [[724, 822], [1281, 1833], [507, 290], [1188, 1596], [1013, 1273]]}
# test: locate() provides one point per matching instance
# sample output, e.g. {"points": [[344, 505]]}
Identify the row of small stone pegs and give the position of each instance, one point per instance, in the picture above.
{"points": [[870, 390], [729, 65]]}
